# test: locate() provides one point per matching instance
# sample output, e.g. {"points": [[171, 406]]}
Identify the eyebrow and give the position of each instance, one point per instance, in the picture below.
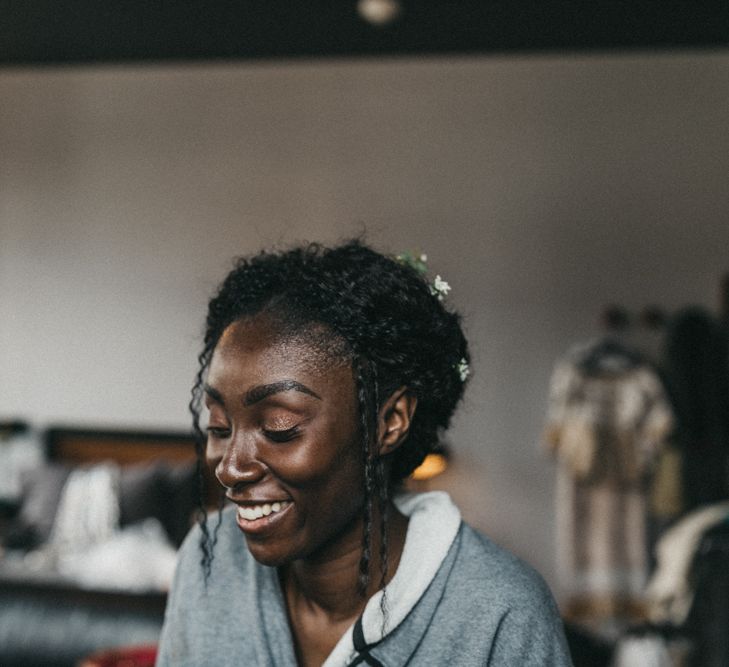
{"points": [[259, 392]]}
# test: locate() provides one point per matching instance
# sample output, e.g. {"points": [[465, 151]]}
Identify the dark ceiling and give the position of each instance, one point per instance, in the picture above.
{"points": [[75, 31]]}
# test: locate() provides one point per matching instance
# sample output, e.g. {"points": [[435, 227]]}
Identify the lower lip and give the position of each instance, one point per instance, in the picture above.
{"points": [[262, 524]]}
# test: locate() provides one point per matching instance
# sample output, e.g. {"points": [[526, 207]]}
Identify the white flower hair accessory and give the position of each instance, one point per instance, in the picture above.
{"points": [[440, 288], [463, 369]]}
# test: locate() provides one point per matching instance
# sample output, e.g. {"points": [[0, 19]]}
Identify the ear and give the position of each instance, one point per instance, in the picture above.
{"points": [[395, 417]]}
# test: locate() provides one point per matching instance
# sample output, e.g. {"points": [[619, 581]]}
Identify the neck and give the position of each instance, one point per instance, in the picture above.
{"points": [[327, 582]]}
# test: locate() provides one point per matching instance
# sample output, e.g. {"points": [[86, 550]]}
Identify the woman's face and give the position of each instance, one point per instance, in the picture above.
{"points": [[283, 438]]}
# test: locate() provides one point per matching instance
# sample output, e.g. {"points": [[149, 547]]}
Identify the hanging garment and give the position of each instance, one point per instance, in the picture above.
{"points": [[697, 378], [607, 419]]}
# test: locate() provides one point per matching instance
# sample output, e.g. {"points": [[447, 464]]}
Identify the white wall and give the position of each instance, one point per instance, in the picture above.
{"points": [[542, 188]]}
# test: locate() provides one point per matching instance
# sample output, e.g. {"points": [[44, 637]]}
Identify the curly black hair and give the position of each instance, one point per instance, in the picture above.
{"points": [[384, 317]]}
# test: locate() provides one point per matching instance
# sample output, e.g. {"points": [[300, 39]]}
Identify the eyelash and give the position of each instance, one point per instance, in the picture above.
{"points": [[282, 436], [285, 435], [218, 432]]}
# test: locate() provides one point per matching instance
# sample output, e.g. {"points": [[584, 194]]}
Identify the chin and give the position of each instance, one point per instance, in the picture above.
{"points": [[269, 555]]}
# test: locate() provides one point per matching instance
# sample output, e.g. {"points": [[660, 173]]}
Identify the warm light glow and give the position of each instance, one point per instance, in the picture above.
{"points": [[434, 464], [379, 12]]}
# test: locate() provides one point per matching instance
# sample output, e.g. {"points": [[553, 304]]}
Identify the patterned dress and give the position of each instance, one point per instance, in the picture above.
{"points": [[608, 419]]}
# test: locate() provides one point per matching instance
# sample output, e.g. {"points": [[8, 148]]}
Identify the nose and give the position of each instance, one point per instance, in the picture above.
{"points": [[239, 466]]}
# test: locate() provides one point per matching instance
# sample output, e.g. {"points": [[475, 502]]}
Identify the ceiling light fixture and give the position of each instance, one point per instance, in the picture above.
{"points": [[379, 12]]}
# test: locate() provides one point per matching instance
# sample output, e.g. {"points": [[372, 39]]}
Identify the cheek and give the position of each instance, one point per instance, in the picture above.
{"points": [[311, 468], [321, 471]]}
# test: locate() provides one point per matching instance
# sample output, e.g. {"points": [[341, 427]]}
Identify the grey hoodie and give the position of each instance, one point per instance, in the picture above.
{"points": [[457, 599]]}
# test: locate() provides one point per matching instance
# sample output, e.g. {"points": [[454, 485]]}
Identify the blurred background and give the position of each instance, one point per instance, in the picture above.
{"points": [[550, 161]]}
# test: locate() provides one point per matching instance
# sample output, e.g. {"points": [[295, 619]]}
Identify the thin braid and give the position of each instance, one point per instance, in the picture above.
{"points": [[381, 484], [364, 412], [383, 498], [207, 540], [376, 485]]}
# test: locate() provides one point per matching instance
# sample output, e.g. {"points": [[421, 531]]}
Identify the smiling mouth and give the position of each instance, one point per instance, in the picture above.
{"points": [[255, 512]]}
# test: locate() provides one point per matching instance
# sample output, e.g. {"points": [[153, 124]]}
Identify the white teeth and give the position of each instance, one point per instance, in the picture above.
{"points": [[251, 513]]}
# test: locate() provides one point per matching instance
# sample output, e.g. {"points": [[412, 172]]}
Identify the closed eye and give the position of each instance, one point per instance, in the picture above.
{"points": [[217, 432], [282, 435]]}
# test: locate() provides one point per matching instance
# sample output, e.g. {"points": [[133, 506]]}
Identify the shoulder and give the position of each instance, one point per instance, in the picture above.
{"points": [[508, 600], [497, 574]]}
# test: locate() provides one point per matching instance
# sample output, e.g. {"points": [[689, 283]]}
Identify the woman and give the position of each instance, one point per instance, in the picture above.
{"points": [[328, 375]]}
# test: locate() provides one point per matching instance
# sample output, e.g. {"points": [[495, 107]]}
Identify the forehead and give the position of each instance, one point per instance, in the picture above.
{"points": [[261, 343]]}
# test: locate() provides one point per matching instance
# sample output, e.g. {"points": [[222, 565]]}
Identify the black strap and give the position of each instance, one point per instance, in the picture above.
{"points": [[363, 648]]}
